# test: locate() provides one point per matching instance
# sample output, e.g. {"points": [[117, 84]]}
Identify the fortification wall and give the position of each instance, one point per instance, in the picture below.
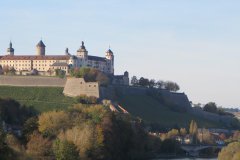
{"points": [[77, 86], [32, 81], [176, 99]]}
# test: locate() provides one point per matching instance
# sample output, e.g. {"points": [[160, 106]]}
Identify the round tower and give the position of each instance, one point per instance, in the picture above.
{"points": [[10, 50], [40, 48]]}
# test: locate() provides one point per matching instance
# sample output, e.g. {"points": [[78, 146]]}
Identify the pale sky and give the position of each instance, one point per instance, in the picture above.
{"points": [[194, 43]]}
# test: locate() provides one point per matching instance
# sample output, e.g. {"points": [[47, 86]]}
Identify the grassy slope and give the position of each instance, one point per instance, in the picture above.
{"points": [[41, 98], [151, 110], [49, 98]]}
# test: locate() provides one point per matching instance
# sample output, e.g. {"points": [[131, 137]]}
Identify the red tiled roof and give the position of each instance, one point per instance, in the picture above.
{"points": [[53, 57]]}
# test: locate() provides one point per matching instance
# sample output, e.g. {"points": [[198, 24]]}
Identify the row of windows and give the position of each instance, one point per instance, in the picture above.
{"points": [[43, 61]]}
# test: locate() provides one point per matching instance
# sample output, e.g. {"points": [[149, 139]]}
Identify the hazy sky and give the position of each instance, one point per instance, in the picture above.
{"points": [[195, 43]]}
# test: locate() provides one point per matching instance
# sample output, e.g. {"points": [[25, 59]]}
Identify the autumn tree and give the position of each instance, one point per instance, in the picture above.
{"points": [[38, 146], [64, 150], [231, 152], [172, 133], [50, 123], [193, 130], [183, 131]]}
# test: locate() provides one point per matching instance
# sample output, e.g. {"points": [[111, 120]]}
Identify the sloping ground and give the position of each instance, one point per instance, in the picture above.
{"points": [[152, 111], [41, 98]]}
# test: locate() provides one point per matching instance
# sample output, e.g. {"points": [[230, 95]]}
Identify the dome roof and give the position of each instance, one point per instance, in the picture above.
{"points": [[82, 48]]}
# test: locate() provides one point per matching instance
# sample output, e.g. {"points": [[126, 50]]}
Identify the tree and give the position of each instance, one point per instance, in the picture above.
{"points": [[210, 107], [60, 73], [170, 146], [231, 152], [1, 70], [173, 133], [2, 138], [5, 69], [152, 83], [160, 84], [134, 81], [102, 79], [144, 82], [183, 131], [193, 130], [51, 123], [12, 71], [38, 146], [64, 150], [29, 127], [171, 86]]}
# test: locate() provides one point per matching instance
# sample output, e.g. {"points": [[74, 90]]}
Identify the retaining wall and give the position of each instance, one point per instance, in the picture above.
{"points": [[32, 81]]}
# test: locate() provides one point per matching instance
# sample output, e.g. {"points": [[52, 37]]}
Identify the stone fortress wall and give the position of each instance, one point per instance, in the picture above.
{"points": [[77, 86], [32, 81], [72, 86]]}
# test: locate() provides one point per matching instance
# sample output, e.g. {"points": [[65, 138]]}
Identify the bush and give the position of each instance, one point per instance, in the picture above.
{"points": [[86, 99], [60, 73]]}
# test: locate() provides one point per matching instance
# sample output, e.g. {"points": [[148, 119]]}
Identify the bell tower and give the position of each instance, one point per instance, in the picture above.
{"points": [[82, 52], [10, 50], [110, 58]]}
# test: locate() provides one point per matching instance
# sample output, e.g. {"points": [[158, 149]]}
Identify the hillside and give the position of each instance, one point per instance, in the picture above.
{"points": [[41, 98], [141, 105], [152, 111]]}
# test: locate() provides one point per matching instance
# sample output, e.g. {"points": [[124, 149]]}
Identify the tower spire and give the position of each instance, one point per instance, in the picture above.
{"points": [[10, 50]]}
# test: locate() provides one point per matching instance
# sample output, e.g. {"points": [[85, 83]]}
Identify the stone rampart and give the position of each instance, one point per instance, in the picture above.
{"points": [[77, 86], [32, 81]]}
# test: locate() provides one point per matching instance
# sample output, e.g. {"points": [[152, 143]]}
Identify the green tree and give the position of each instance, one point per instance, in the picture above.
{"points": [[29, 127], [134, 81], [60, 73], [210, 107], [171, 86], [170, 146], [144, 82], [2, 138], [64, 150], [152, 83]]}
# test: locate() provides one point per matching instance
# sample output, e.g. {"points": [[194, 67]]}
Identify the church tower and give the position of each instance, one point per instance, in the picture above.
{"points": [[40, 48], [82, 52], [110, 59], [10, 50]]}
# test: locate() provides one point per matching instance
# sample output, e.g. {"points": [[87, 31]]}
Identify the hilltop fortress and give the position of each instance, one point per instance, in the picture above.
{"points": [[48, 64]]}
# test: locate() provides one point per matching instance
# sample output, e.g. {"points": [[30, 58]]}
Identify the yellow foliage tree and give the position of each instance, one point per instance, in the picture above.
{"points": [[53, 122], [231, 152]]}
